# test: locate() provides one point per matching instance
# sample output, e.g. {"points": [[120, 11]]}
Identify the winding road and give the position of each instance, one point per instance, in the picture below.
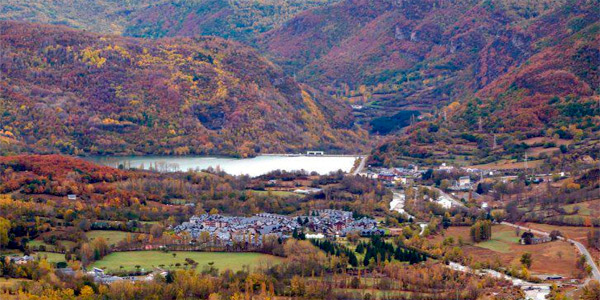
{"points": [[578, 245]]}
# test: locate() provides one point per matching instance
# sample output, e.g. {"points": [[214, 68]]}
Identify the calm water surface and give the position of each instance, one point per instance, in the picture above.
{"points": [[251, 166]]}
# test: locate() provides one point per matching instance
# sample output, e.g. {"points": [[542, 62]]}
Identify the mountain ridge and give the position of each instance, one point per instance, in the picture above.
{"points": [[76, 92]]}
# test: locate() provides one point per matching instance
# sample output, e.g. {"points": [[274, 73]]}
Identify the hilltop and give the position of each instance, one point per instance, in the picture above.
{"points": [[237, 20], [102, 16], [76, 92]]}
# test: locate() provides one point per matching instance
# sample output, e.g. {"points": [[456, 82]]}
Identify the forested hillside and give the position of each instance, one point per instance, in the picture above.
{"points": [[551, 96], [406, 55], [463, 71], [234, 19], [76, 92], [102, 16]]}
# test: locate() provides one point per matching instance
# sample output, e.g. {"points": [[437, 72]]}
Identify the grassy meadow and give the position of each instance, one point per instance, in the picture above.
{"points": [[152, 259], [556, 257], [112, 237]]}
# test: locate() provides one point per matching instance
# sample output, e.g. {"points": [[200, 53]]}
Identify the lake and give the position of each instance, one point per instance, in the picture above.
{"points": [[251, 166]]}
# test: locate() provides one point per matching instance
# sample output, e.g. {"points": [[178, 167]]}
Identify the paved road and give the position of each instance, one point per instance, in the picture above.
{"points": [[578, 245], [397, 204], [450, 197], [590, 259], [361, 166]]}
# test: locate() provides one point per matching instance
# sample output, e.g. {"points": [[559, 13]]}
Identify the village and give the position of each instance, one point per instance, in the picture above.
{"points": [[460, 185], [222, 230]]}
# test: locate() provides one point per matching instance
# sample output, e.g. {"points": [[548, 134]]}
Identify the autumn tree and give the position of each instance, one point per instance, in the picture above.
{"points": [[526, 260], [591, 291], [5, 226], [481, 231]]}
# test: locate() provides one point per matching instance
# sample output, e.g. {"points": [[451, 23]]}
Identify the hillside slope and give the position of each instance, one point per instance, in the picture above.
{"points": [[239, 20], [76, 92], [406, 55], [102, 16], [550, 100], [232, 19]]}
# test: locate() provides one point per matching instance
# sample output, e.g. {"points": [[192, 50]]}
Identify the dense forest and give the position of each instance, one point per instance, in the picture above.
{"points": [[233, 19], [240, 20], [75, 92], [102, 16]]}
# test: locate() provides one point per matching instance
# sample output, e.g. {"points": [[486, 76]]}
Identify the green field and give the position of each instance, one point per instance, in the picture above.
{"points": [[151, 259], [111, 236], [276, 193], [37, 243], [588, 208], [51, 257], [149, 222], [501, 241]]}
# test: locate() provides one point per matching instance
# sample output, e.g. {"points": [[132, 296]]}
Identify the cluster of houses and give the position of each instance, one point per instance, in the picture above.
{"points": [[406, 176], [228, 230], [21, 260], [394, 176], [331, 222], [462, 184]]}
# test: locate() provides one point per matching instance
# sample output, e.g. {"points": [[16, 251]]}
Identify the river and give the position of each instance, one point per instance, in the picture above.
{"points": [[255, 166]]}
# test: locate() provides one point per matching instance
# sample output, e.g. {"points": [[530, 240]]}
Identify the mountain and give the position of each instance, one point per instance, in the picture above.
{"points": [[545, 104], [241, 20], [77, 92], [102, 16], [416, 55]]}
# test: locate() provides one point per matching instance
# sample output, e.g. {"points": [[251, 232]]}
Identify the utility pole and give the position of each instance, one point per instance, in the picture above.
{"points": [[494, 144]]}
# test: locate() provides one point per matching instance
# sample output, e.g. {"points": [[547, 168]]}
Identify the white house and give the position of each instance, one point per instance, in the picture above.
{"points": [[315, 236]]}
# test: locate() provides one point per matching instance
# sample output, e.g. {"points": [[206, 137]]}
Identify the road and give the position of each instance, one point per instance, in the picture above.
{"points": [[578, 245], [450, 197], [397, 204], [361, 166]]}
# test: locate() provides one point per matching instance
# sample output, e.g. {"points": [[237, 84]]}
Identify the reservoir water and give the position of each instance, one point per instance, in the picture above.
{"points": [[251, 166]]}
